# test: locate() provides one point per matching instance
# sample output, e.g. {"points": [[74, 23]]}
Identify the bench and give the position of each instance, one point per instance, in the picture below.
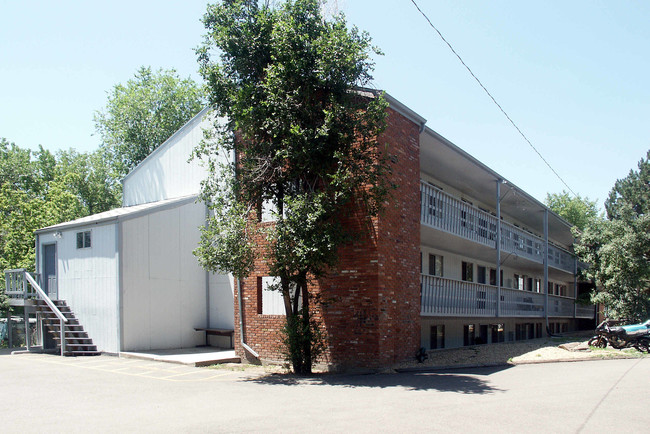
{"points": [[216, 332]]}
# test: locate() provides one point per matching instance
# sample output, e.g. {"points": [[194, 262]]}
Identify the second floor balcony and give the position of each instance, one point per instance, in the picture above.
{"points": [[448, 297], [444, 212]]}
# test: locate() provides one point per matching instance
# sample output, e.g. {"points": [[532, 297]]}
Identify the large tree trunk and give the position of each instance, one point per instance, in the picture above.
{"points": [[307, 340]]}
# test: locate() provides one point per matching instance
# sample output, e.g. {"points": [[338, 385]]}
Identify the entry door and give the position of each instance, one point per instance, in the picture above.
{"points": [[49, 270]]}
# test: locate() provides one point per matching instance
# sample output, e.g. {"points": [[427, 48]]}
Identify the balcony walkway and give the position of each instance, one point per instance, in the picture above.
{"points": [[447, 297], [444, 212]]}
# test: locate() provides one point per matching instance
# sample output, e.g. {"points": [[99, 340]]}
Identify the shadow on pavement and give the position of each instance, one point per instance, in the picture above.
{"points": [[464, 381]]}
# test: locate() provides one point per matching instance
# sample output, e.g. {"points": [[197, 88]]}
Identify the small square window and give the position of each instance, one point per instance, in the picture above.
{"points": [[83, 240]]}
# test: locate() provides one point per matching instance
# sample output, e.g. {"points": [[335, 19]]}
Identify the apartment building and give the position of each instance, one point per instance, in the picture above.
{"points": [[460, 257]]}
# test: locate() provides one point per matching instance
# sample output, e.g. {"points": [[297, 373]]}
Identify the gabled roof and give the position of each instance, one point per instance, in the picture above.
{"points": [[120, 214]]}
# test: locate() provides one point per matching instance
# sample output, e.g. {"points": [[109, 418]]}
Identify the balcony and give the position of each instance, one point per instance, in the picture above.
{"points": [[444, 212], [446, 297]]}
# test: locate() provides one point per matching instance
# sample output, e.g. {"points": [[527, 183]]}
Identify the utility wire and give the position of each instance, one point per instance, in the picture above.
{"points": [[491, 97]]}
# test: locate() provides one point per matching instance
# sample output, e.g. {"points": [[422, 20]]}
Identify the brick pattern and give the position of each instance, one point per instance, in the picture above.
{"points": [[371, 303]]}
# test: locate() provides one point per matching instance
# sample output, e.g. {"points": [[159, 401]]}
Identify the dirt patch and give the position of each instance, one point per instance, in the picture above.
{"points": [[532, 351]]}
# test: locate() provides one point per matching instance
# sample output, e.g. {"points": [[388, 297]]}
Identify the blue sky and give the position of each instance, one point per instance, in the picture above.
{"points": [[572, 75]]}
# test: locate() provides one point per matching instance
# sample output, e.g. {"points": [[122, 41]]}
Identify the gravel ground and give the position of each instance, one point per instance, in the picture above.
{"points": [[567, 348]]}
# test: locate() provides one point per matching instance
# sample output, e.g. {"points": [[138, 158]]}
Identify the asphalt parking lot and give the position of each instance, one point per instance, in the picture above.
{"points": [[44, 393]]}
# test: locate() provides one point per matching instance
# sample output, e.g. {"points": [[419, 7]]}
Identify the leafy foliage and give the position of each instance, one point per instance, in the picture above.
{"points": [[618, 248], [39, 189], [578, 211], [143, 113], [285, 81]]}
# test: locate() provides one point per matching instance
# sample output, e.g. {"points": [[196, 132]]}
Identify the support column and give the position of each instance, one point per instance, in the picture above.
{"points": [[498, 247], [10, 340], [28, 336], [546, 267], [575, 288], [26, 314]]}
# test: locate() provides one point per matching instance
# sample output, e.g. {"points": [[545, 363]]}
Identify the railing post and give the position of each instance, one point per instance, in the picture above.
{"points": [[62, 337]]}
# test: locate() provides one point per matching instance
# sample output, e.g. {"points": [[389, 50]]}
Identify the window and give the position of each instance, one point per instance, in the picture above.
{"points": [[269, 298], [468, 271], [483, 334], [435, 265], [538, 285], [83, 240], [468, 334], [529, 282], [481, 299], [435, 207], [481, 274], [493, 277], [497, 333], [516, 282], [437, 338]]}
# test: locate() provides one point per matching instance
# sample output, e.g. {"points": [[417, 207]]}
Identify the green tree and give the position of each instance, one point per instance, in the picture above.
{"points": [[39, 189], [618, 249], [88, 177], [579, 211], [285, 81], [143, 113]]}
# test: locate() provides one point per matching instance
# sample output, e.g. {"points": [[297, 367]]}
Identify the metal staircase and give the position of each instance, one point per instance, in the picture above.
{"points": [[76, 341], [54, 317]]}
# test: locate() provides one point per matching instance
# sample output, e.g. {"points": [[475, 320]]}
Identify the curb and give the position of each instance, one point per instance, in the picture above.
{"points": [[509, 364]]}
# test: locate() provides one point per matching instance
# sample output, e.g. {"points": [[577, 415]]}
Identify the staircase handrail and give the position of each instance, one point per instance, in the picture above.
{"points": [[45, 298], [52, 307]]}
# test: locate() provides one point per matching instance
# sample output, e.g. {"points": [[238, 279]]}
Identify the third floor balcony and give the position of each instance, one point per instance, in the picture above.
{"points": [[447, 213]]}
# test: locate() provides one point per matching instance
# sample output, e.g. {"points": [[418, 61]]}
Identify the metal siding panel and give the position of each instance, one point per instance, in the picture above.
{"points": [[164, 288], [168, 173], [88, 282]]}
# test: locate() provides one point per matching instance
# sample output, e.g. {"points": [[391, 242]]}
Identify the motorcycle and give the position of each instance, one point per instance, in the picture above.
{"points": [[619, 337]]}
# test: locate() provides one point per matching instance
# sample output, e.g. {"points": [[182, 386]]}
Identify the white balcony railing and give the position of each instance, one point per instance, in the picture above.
{"points": [[442, 211], [447, 297]]}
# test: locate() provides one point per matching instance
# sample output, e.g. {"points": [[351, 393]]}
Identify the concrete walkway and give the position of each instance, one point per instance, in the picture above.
{"points": [[196, 356]]}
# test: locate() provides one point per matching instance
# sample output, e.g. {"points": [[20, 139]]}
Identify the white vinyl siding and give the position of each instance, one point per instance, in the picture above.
{"points": [[87, 280], [164, 288]]}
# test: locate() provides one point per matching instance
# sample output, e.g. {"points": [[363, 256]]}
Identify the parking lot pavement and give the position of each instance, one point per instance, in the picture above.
{"points": [[107, 394], [131, 367]]}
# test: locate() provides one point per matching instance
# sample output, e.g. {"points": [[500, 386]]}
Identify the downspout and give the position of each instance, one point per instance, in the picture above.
{"points": [[241, 321], [207, 277], [238, 283]]}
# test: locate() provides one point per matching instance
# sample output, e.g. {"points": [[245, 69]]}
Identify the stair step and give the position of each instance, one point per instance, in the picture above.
{"points": [[48, 314], [77, 341], [56, 321], [82, 353]]}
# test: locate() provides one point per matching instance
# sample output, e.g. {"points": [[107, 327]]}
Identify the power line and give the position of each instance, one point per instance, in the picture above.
{"points": [[491, 97]]}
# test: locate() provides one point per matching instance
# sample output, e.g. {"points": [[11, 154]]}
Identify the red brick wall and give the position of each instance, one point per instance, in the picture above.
{"points": [[371, 306]]}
